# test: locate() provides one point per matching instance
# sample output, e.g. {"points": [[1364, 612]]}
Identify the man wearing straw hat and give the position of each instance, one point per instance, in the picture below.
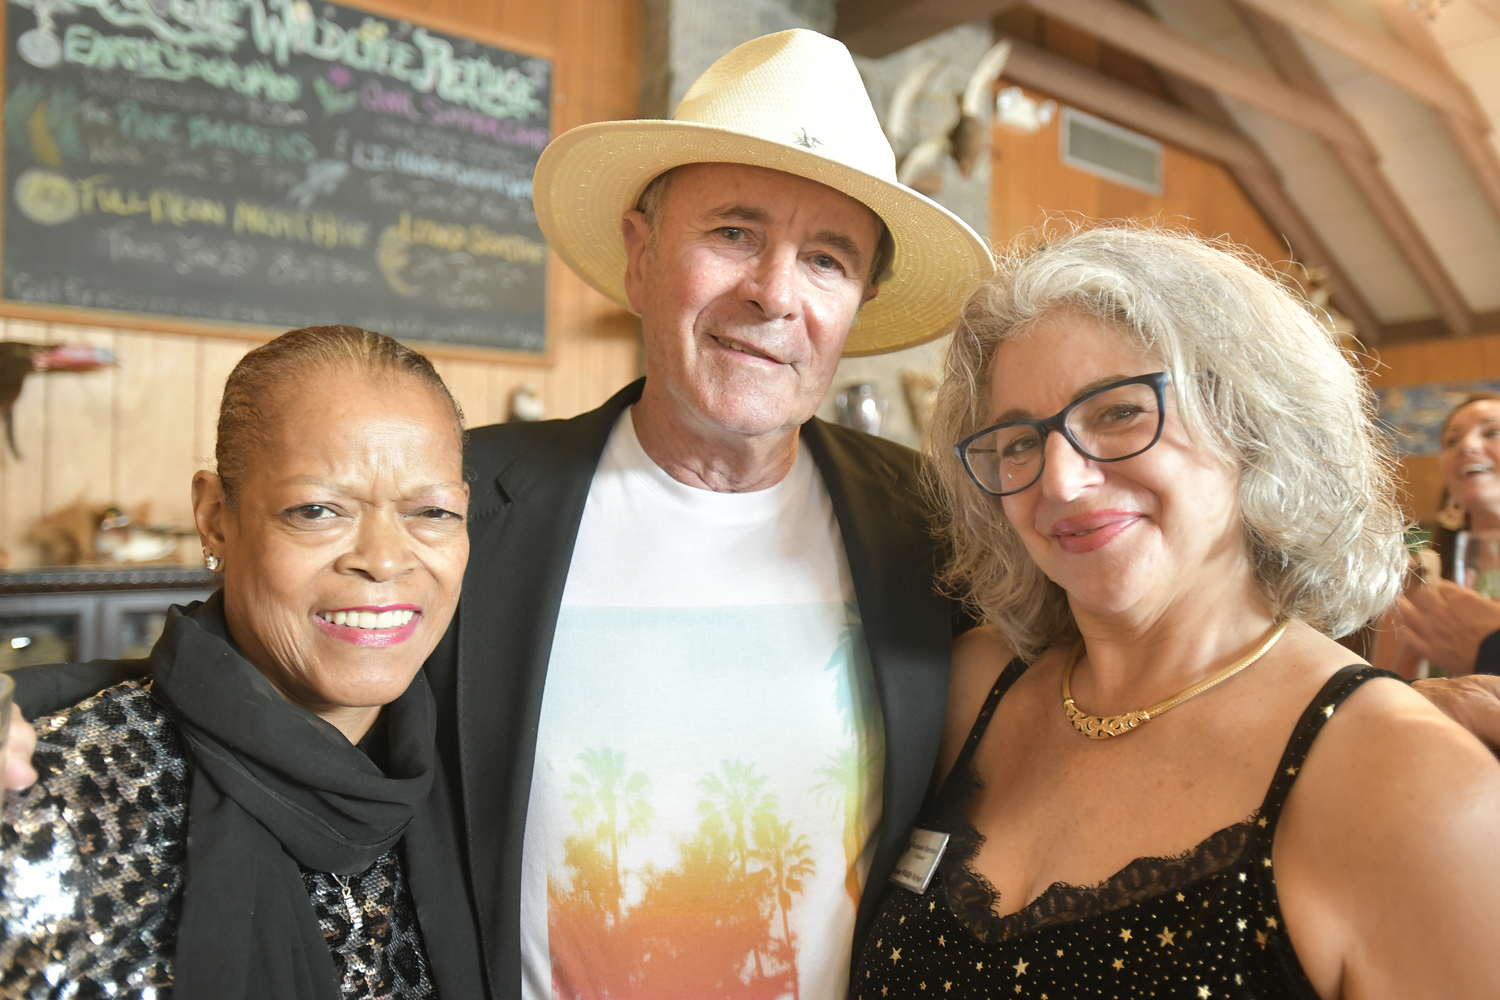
{"points": [[700, 665], [694, 689]]}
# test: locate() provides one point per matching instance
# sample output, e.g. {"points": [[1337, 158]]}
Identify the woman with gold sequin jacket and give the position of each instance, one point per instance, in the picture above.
{"points": [[264, 815], [1161, 776]]}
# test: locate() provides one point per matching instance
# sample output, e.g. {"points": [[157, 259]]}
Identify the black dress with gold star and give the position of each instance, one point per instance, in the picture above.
{"points": [[1204, 925]]}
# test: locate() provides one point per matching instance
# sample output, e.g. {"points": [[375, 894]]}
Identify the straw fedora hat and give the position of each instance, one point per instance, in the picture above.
{"points": [[792, 101]]}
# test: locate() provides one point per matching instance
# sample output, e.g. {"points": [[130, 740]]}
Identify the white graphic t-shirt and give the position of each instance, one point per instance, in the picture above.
{"points": [[709, 756]]}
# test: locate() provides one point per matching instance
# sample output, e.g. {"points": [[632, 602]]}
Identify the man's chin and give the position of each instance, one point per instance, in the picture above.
{"points": [[751, 418]]}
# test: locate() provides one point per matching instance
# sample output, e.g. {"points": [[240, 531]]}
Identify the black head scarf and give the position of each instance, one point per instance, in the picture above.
{"points": [[273, 786]]}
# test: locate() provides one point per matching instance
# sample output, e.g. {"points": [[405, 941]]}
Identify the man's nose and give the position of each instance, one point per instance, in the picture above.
{"points": [[1066, 471], [772, 283]]}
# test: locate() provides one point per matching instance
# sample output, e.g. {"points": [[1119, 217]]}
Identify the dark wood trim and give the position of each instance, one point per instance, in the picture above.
{"points": [[879, 27], [1416, 330]]}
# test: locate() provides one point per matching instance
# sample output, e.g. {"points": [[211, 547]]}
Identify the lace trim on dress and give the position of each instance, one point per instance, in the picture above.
{"points": [[972, 898]]}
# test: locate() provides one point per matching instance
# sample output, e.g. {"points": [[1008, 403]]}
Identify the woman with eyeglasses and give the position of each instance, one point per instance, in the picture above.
{"points": [[1161, 776]]}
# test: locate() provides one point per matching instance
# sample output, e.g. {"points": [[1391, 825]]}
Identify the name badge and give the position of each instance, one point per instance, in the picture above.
{"points": [[923, 852]]}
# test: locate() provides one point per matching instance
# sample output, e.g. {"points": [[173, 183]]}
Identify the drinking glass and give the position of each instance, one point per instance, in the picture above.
{"points": [[1476, 562]]}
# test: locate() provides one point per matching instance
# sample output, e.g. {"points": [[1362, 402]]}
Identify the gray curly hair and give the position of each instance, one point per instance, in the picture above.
{"points": [[1257, 380]]}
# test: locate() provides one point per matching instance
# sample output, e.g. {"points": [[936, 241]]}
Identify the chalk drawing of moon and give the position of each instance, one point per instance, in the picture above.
{"points": [[391, 258], [45, 197], [40, 48]]}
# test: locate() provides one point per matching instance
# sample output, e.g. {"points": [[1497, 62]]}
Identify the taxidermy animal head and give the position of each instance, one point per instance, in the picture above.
{"points": [[920, 159], [18, 360]]}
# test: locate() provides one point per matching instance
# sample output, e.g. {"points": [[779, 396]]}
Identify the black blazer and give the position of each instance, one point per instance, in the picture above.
{"points": [[529, 482]]}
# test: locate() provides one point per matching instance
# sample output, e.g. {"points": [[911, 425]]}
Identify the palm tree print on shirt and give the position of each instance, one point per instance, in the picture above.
{"points": [[604, 791], [788, 863], [853, 775], [715, 924]]}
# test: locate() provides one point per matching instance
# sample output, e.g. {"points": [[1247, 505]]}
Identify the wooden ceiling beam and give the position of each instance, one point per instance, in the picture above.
{"points": [[1272, 201], [1198, 133], [1282, 212], [1473, 146], [1263, 187], [1276, 41], [877, 28], [1412, 71], [1142, 35], [1410, 243], [1490, 7], [1067, 81]]}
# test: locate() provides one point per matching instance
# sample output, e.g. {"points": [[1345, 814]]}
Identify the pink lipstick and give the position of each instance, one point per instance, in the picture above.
{"points": [[1094, 530], [371, 625]]}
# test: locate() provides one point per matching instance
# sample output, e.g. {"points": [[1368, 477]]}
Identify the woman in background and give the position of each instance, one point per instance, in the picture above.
{"points": [[1447, 624], [265, 815], [1162, 777]]}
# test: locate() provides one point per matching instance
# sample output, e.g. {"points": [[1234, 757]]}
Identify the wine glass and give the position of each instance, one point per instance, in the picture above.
{"points": [[1476, 562]]}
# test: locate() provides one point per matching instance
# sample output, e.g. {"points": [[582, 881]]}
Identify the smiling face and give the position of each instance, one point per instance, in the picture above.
{"points": [[1128, 537], [1470, 458], [345, 550], [747, 294]]}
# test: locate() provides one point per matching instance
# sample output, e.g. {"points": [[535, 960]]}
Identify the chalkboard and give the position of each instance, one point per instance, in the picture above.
{"points": [[273, 162]]}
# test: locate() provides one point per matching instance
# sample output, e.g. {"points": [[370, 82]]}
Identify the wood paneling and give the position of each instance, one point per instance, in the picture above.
{"points": [[1433, 361], [80, 427], [1032, 184], [137, 433], [1438, 361], [22, 489]]}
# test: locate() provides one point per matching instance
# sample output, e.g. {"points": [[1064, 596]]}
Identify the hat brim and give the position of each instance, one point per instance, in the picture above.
{"points": [[590, 176]]}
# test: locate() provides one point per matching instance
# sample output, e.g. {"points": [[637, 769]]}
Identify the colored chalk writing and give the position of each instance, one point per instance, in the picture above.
{"points": [[273, 162]]}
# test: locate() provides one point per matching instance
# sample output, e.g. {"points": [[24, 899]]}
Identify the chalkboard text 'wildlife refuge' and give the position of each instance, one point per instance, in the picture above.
{"points": [[274, 162]]}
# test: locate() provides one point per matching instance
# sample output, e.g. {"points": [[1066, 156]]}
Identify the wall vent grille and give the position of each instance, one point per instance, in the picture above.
{"points": [[1106, 150]]}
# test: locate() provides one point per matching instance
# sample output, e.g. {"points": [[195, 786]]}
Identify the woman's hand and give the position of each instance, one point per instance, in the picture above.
{"points": [[1446, 623], [20, 741]]}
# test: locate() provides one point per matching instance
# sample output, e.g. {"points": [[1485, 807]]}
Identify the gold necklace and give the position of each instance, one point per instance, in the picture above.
{"points": [[1117, 725]]}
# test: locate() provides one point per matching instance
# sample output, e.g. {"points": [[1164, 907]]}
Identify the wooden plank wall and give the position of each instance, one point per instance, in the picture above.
{"points": [[137, 434], [1032, 185], [1449, 360]]}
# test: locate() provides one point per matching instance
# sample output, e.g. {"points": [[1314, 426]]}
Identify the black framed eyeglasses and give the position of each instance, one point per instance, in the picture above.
{"points": [[1110, 424]]}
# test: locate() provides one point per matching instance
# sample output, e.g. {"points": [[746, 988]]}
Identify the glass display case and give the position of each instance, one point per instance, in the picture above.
{"points": [[69, 615], [46, 629]]}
